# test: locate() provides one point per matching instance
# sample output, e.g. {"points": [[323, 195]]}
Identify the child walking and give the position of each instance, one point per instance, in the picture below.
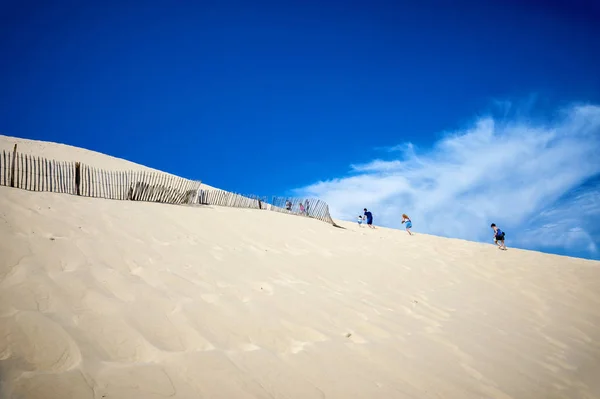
{"points": [[360, 220], [406, 219], [498, 236]]}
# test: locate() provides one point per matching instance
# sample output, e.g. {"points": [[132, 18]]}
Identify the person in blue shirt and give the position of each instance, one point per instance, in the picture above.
{"points": [[498, 236], [369, 217], [406, 219]]}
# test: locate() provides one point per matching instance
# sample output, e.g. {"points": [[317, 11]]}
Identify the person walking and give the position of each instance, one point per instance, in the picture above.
{"points": [[369, 217], [406, 219], [360, 220], [498, 236]]}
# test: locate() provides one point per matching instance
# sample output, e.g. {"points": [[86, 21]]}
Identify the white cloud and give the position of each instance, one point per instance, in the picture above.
{"points": [[516, 173], [571, 225]]}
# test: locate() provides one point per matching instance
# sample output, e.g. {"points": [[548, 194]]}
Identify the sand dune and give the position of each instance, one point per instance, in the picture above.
{"points": [[116, 299], [64, 152]]}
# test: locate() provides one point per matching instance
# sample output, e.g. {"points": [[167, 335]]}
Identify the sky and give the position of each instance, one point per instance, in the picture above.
{"points": [[457, 113]]}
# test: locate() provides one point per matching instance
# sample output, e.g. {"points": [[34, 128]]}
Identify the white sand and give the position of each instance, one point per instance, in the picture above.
{"points": [[64, 152], [115, 299]]}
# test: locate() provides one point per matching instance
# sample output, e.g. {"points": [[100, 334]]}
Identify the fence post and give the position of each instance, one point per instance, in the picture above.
{"points": [[78, 177], [12, 167]]}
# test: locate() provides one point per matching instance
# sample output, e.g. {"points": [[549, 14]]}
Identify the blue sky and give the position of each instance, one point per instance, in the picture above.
{"points": [[457, 113]]}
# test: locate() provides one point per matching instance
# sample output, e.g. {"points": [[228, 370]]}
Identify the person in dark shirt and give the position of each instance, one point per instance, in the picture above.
{"points": [[498, 236], [369, 217]]}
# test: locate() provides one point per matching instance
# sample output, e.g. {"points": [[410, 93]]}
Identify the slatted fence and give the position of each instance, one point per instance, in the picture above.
{"points": [[33, 173], [309, 207]]}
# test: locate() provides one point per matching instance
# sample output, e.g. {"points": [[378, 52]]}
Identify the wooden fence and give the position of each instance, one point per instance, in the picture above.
{"points": [[33, 173], [309, 207]]}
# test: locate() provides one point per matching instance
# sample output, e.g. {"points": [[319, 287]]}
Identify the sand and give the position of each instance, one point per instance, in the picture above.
{"points": [[64, 152], [117, 299]]}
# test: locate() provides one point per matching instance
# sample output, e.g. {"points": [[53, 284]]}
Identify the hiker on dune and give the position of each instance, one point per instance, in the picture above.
{"points": [[498, 236], [360, 220], [406, 219], [369, 217]]}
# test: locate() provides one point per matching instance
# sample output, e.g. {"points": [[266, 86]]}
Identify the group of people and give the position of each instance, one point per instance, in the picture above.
{"points": [[303, 208], [368, 217]]}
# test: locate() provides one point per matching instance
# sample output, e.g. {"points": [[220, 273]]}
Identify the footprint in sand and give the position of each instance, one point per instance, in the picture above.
{"points": [[216, 256], [161, 243], [297, 346], [355, 338], [249, 347], [264, 288], [210, 298], [290, 284]]}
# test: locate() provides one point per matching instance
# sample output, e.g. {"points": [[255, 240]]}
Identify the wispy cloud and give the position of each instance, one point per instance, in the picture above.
{"points": [[534, 179]]}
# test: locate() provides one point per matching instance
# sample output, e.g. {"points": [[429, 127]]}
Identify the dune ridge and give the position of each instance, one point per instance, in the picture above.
{"points": [[118, 299], [123, 180]]}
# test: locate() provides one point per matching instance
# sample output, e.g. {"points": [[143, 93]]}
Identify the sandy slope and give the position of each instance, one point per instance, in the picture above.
{"points": [[64, 152], [114, 299]]}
